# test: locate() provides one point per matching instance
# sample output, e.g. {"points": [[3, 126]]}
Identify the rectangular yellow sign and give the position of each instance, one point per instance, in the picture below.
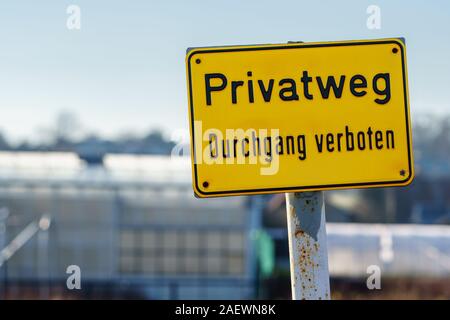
{"points": [[299, 117]]}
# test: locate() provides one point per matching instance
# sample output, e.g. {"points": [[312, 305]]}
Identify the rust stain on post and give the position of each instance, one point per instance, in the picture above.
{"points": [[299, 233], [306, 256]]}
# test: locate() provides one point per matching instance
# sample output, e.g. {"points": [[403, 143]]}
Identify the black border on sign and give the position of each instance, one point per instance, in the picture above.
{"points": [[312, 187]]}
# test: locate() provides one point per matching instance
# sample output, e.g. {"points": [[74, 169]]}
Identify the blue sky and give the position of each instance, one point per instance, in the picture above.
{"points": [[124, 70]]}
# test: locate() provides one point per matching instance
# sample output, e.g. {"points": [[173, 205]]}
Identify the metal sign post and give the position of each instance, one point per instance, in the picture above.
{"points": [[308, 255]]}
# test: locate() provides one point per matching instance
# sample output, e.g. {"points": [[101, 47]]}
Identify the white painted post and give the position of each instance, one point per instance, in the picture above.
{"points": [[308, 255]]}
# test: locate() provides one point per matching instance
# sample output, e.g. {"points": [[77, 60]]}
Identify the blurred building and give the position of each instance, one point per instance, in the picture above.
{"points": [[132, 225]]}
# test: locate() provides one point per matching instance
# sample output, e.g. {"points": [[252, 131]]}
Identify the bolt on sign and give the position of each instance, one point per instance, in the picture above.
{"points": [[299, 116]]}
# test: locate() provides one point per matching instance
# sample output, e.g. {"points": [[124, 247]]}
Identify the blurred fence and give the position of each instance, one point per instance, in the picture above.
{"points": [[135, 230]]}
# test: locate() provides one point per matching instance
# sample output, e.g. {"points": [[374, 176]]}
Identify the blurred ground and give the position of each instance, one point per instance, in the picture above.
{"points": [[391, 288]]}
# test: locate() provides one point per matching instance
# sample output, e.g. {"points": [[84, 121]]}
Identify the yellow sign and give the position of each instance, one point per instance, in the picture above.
{"points": [[299, 117]]}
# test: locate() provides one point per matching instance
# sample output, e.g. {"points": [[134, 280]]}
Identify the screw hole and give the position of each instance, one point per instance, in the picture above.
{"points": [[205, 184], [197, 61], [395, 50]]}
